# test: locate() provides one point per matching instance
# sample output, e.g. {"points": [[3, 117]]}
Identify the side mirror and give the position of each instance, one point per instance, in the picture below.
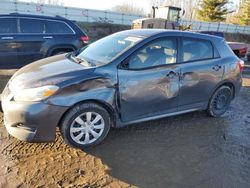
{"points": [[124, 65]]}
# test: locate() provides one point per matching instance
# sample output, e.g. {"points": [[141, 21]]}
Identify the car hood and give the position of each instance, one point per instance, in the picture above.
{"points": [[50, 71]]}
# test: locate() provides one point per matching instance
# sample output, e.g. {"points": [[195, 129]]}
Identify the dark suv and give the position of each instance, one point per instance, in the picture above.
{"points": [[26, 38]]}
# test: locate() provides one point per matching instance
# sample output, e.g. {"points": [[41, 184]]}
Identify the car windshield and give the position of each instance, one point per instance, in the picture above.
{"points": [[107, 49]]}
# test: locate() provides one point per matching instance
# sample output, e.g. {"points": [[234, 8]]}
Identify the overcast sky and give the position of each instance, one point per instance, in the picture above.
{"points": [[108, 4], [102, 4]]}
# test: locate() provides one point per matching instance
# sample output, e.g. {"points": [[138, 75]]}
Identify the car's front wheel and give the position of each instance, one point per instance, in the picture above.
{"points": [[220, 101], [85, 125]]}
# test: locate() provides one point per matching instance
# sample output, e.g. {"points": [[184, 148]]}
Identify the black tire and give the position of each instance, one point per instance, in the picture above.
{"points": [[220, 101], [69, 121]]}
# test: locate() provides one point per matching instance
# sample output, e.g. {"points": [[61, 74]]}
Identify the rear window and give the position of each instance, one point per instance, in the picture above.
{"points": [[58, 27], [32, 26], [8, 25], [196, 49]]}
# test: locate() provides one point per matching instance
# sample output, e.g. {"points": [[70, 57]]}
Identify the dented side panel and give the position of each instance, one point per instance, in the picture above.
{"points": [[101, 87], [72, 96], [147, 93]]}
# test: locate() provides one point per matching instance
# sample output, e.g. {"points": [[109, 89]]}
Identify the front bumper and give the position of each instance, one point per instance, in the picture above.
{"points": [[31, 121]]}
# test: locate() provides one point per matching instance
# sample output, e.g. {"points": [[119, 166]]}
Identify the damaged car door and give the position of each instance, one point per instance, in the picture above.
{"points": [[149, 81], [201, 70]]}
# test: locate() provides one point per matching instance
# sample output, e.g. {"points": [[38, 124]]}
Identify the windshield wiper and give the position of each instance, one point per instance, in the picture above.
{"points": [[81, 60]]}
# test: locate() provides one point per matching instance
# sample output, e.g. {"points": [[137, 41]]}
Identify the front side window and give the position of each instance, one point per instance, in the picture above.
{"points": [[32, 26], [8, 25], [195, 49], [58, 27], [159, 52]]}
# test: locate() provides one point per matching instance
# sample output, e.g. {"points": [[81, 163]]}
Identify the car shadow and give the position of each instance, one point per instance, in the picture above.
{"points": [[181, 151]]}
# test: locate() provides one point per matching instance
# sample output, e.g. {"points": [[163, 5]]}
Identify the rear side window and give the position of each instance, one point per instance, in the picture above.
{"points": [[32, 26], [58, 27], [196, 49], [8, 25]]}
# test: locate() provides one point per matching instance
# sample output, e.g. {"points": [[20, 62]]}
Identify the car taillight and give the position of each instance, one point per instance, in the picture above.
{"points": [[85, 39], [241, 65], [242, 52]]}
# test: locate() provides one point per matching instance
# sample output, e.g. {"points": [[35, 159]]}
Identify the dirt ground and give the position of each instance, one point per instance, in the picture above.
{"points": [[191, 150]]}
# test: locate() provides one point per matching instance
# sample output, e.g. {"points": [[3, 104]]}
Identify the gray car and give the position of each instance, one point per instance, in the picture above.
{"points": [[125, 78]]}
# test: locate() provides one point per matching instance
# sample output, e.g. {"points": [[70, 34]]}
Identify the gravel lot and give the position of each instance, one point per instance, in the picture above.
{"points": [[191, 150]]}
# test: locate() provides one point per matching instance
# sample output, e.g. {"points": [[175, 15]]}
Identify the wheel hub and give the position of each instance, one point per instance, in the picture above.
{"points": [[87, 128], [222, 100]]}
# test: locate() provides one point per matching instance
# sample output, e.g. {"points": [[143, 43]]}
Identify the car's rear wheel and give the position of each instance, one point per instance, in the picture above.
{"points": [[85, 125], [220, 101]]}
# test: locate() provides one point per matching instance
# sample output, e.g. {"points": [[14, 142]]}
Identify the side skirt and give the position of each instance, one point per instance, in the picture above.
{"points": [[122, 124]]}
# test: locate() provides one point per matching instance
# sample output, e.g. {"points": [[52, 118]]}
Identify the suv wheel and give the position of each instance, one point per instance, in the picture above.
{"points": [[220, 101], [85, 125]]}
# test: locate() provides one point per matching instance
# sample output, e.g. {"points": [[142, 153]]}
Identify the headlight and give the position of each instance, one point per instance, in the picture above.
{"points": [[35, 94]]}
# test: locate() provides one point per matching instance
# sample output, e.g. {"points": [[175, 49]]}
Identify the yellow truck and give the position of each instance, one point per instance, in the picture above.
{"points": [[163, 17]]}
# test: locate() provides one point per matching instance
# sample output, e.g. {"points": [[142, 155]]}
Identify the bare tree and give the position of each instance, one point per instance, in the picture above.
{"points": [[128, 8], [190, 10]]}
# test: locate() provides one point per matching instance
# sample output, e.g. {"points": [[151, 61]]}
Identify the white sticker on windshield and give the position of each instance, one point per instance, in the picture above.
{"points": [[133, 39], [121, 42]]}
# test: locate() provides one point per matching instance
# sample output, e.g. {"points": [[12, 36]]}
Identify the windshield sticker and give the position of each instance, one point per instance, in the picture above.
{"points": [[133, 39], [121, 42]]}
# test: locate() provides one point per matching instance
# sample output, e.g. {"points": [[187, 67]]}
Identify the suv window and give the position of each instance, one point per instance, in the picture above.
{"points": [[32, 26], [196, 49], [159, 52], [8, 25], [58, 27]]}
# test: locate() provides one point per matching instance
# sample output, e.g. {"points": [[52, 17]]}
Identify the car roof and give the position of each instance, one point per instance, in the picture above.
{"points": [[33, 16], [151, 32], [209, 31], [142, 32], [215, 33]]}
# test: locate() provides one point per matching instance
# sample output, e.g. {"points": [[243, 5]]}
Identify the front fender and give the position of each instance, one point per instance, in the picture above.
{"points": [[99, 89], [69, 99]]}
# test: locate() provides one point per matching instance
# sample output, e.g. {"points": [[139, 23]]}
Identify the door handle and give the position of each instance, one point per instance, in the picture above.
{"points": [[48, 37], [217, 67], [7, 38], [171, 74]]}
